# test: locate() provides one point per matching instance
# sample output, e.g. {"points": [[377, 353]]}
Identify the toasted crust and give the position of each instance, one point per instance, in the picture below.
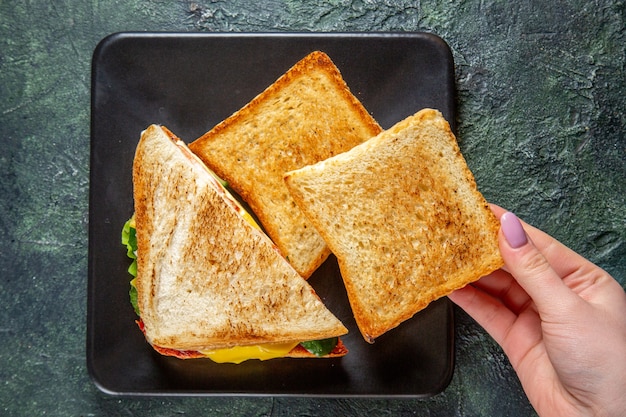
{"points": [[306, 116], [403, 216], [298, 352], [206, 278]]}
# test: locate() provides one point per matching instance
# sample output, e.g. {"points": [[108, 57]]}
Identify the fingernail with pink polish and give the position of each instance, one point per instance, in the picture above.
{"points": [[513, 230]]}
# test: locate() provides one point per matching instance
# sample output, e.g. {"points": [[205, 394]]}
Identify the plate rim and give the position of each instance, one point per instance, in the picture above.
{"points": [[111, 40]]}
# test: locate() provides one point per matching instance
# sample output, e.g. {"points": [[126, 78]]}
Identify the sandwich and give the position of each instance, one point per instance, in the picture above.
{"points": [[209, 282], [306, 116], [403, 215]]}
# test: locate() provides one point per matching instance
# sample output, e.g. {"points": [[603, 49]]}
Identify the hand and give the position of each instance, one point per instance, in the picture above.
{"points": [[560, 319]]}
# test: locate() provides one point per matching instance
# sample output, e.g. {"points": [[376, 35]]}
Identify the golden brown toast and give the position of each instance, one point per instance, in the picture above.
{"points": [[206, 277], [403, 216], [306, 116]]}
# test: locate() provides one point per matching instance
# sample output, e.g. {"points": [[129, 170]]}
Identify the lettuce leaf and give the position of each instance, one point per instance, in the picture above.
{"points": [[129, 239], [132, 294], [320, 347]]}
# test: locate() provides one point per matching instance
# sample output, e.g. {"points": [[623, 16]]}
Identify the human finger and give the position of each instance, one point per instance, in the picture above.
{"points": [[531, 268], [517, 333], [502, 286], [487, 311]]}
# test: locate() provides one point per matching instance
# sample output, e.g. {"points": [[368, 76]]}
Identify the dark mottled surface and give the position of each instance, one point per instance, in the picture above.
{"points": [[542, 114]]}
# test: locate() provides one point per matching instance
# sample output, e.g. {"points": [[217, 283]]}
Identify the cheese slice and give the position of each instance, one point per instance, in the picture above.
{"points": [[238, 354]]}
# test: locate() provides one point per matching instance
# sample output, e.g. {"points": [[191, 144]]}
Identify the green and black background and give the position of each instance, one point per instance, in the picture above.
{"points": [[541, 99]]}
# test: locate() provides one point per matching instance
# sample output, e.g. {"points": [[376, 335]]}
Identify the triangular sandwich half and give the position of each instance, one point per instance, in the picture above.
{"points": [[403, 216], [207, 278], [306, 116]]}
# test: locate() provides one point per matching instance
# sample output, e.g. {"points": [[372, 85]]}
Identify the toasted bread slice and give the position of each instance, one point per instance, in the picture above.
{"points": [[206, 277], [403, 216], [306, 116]]}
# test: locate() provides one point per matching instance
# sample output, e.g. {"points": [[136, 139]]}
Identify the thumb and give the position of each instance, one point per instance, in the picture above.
{"points": [[531, 269]]}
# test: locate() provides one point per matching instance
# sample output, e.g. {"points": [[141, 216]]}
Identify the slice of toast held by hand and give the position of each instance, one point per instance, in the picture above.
{"points": [[403, 216], [306, 116]]}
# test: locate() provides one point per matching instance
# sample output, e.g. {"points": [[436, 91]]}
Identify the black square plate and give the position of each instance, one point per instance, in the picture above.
{"points": [[189, 83]]}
